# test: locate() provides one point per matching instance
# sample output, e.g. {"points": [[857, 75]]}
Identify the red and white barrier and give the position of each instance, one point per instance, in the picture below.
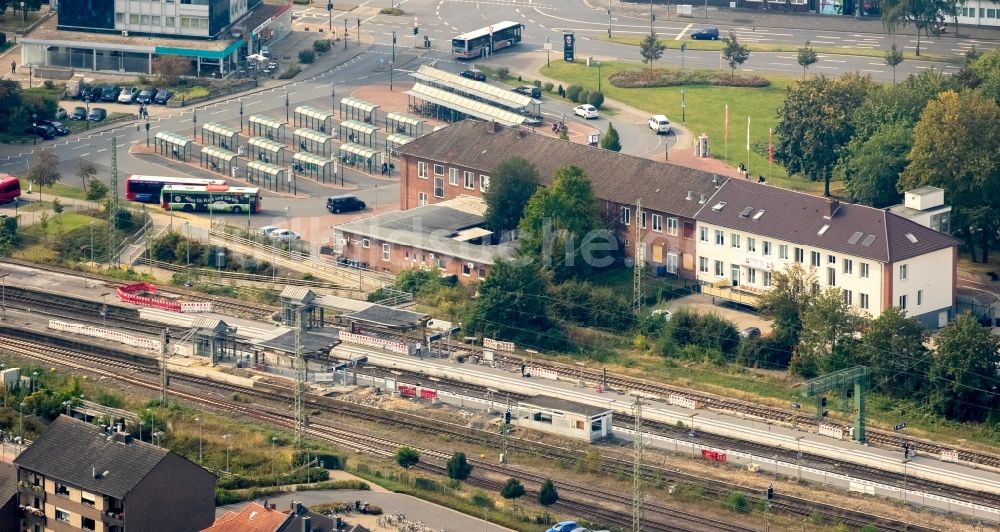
{"points": [[490, 343], [543, 373], [409, 390], [130, 294], [683, 402], [381, 343], [97, 332], [949, 456], [196, 306], [831, 431]]}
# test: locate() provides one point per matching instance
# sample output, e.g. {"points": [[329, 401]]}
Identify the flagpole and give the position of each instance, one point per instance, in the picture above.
{"points": [[726, 134], [748, 147], [770, 154]]}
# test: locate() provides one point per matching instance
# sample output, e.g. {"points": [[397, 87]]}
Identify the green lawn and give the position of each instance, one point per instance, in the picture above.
{"points": [[704, 113], [65, 191], [674, 46]]}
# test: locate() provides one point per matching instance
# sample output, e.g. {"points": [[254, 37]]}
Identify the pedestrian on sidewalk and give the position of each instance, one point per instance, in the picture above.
{"points": [[13, 67]]}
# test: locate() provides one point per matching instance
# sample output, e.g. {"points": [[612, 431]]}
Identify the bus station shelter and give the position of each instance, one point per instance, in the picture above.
{"points": [[452, 107], [404, 124], [173, 145], [312, 141], [314, 166], [267, 176], [477, 90], [266, 151], [267, 127], [219, 135], [358, 156], [395, 141], [217, 159], [356, 109], [358, 132], [312, 118]]}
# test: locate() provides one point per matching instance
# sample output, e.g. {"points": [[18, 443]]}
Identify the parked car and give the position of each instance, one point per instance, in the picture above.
{"points": [[42, 130], [659, 124], [267, 230], [284, 235], [667, 314], [97, 114], [529, 90], [110, 93], [265, 51], [587, 111], [473, 74], [79, 113], [710, 33], [163, 96], [750, 332], [564, 526], [58, 127], [146, 95], [128, 95], [61, 114], [91, 94], [344, 203]]}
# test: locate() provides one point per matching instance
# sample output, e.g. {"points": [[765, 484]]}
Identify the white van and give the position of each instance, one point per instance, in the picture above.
{"points": [[659, 124]]}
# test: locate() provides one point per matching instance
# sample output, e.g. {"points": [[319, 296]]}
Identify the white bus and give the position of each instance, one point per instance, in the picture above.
{"points": [[477, 43]]}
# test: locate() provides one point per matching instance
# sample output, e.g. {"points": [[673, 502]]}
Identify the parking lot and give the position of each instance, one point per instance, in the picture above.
{"points": [[707, 304]]}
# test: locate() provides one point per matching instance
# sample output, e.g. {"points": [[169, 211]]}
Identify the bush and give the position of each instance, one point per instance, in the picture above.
{"points": [[573, 92], [503, 72], [582, 97], [307, 56], [537, 83], [736, 501], [561, 91], [321, 46], [688, 329], [235, 482], [547, 86], [290, 72], [395, 11], [661, 77], [482, 499], [596, 98], [336, 485]]}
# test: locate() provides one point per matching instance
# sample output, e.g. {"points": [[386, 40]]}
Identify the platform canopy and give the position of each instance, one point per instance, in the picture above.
{"points": [[218, 153], [393, 318], [360, 151], [466, 106], [175, 139]]}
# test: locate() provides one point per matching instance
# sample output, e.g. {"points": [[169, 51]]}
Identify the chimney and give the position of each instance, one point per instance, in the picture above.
{"points": [[831, 208], [703, 198], [120, 428], [495, 127], [94, 471], [307, 524], [297, 508], [690, 195], [715, 179]]}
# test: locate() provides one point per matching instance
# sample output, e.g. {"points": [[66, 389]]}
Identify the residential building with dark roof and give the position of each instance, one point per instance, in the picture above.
{"points": [[78, 476], [257, 517], [877, 258], [458, 159]]}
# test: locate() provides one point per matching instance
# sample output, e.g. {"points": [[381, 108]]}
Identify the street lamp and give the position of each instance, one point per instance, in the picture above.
{"points": [[609, 19], [157, 436], [598, 76], [390, 75], [3, 295], [228, 444], [20, 423], [286, 106], [241, 115], [329, 8], [24, 16], [394, 46], [194, 122], [87, 118], [34, 381], [684, 48], [147, 132], [140, 429], [683, 105], [198, 419], [92, 241], [34, 127]]}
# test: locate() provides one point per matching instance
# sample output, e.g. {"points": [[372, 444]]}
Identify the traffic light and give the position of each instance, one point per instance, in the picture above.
{"points": [[770, 491], [416, 30], [393, 37], [822, 401], [329, 6], [506, 418]]}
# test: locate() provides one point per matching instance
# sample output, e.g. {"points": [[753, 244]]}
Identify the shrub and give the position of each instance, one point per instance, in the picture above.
{"points": [[503, 72], [336, 485], [596, 98], [537, 83], [661, 77], [395, 11], [547, 86], [307, 56], [321, 46], [573, 92], [459, 467], [736, 501], [582, 97], [290, 72], [561, 91], [482, 499]]}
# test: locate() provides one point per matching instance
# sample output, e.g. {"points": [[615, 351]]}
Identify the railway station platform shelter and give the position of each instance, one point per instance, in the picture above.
{"points": [[478, 90], [219, 135], [451, 107], [312, 118], [267, 176], [412, 326], [565, 418], [266, 127], [173, 145], [266, 151], [404, 124], [358, 132], [217, 159], [280, 350], [357, 109], [314, 166], [312, 141], [361, 157], [298, 299], [212, 338], [394, 141]]}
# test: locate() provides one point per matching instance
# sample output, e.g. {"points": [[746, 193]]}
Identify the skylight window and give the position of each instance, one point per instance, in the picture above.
{"points": [[911, 238], [758, 215], [855, 237], [868, 240], [719, 206], [745, 213], [823, 229]]}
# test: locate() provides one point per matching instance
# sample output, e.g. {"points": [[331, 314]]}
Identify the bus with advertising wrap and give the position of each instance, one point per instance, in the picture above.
{"points": [[146, 188], [477, 43], [210, 198]]}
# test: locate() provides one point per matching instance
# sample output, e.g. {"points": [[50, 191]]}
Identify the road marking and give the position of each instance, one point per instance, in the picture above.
{"points": [[823, 42], [102, 149], [876, 71], [78, 147], [827, 67], [825, 58], [836, 37], [683, 31], [85, 155], [876, 64], [217, 112]]}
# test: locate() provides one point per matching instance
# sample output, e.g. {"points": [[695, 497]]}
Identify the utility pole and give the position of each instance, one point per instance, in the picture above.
{"points": [[164, 341], [505, 423], [637, 268], [300, 382], [637, 467], [113, 257]]}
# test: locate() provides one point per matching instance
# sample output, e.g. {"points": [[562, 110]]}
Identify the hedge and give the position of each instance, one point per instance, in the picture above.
{"points": [[661, 77]]}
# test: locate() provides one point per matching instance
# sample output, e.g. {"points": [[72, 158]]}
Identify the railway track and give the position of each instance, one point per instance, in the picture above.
{"points": [[108, 357]]}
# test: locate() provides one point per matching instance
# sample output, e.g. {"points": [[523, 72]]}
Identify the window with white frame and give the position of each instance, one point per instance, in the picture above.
{"points": [[766, 281], [902, 301], [421, 170], [438, 187], [816, 257], [438, 169], [783, 251], [703, 234], [467, 269], [470, 180], [484, 183], [734, 240], [848, 297], [848, 266], [442, 264], [672, 226], [766, 247], [626, 215], [365, 243], [863, 300], [453, 177], [144, 20], [421, 199], [386, 251], [720, 238], [120, 18], [169, 22], [134, 19], [155, 20], [903, 272], [62, 515], [658, 225], [642, 217], [863, 270], [752, 275], [703, 264], [831, 276], [920, 297], [720, 268], [800, 255], [751, 244]]}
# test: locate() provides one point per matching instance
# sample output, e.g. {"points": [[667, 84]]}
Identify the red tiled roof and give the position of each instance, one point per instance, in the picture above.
{"points": [[252, 518]]}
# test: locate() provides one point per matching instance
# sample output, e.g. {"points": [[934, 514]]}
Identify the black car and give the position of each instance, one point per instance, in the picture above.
{"points": [[97, 114], [92, 94], [44, 131], [110, 93], [163, 96], [710, 33], [146, 95], [79, 113], [474, 74], [58, 127], [344, 203]]}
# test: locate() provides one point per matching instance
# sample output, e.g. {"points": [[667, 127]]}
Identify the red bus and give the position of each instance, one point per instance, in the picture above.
{"points": [[146, 188], [10, 188]]}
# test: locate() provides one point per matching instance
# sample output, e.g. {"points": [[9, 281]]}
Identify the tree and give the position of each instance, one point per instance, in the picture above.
{"points": [[807, 56], [86, 171], [734, 53], [512, 489], [611, 140], [510, 305], [985, 73], [828, 323], [458, 467], [956, 146], [893, 57], [45, 170], [814, 123], [927, 16], [96, 190], [562, 227], [512, 184], [307, 56], [871, 167], [407, 457], [548, 494], [963, 370], [651, 49], [169, 68], [790, 295], [892, 347]]}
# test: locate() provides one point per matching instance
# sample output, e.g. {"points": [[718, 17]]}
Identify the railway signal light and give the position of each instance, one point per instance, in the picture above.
{"points": [[822, 401], [506, 418], [416, 30], [770, 491]]}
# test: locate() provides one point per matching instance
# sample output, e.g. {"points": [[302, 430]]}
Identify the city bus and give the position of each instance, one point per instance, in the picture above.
{"points": [[10, 188], [146, 188], [477, 43], [214, 198]]}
